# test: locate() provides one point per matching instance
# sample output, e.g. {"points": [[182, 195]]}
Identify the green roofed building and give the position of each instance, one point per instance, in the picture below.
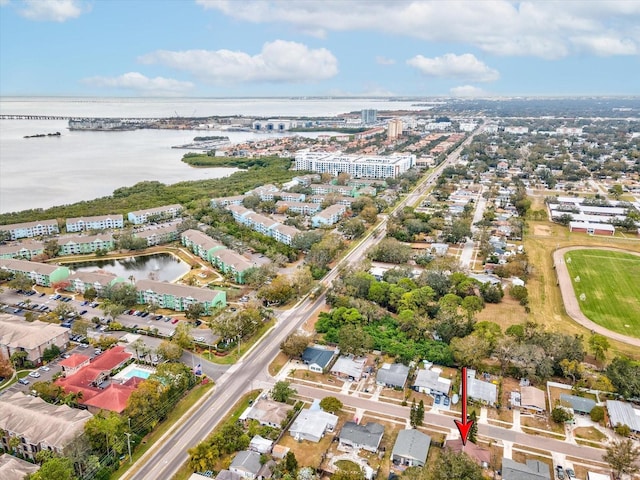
{"points": [[41, 273]]}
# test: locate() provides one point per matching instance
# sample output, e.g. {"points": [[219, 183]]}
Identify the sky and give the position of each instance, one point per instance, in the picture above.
{"points": [[284, 48]]}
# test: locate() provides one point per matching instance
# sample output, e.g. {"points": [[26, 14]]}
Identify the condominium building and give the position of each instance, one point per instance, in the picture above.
{"points": [[38, 425], [34, 338], [86, 244], [25, 250], [329, 215], [179, 297], [81, 281], [40, 273], [302, 208], [160, 234], [31, 229], [357, 166], [368, 116], [394, 129], [263, 224], [153, 214], [226, 201], [100, 222]]}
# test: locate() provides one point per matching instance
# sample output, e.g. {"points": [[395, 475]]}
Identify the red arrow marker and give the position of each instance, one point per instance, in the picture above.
{"points": [[464, 426]]}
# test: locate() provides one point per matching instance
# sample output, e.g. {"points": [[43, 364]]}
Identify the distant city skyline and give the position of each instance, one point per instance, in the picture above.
{"points": [[258, 48]]}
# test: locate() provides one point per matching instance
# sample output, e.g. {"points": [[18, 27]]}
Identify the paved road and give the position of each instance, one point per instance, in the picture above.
{"points": [[571, 302], [251, 372], [446, 421]]}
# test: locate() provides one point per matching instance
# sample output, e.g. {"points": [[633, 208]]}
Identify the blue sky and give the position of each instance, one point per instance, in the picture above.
{"points": [[218, 48]]}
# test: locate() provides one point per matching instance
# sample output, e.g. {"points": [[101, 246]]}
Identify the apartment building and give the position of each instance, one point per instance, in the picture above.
{"points": [[160, 234], [357, 166], [100, 222], [34, 338], [284, 233], [40, 273], [303, 208], [329, 216], [31, 229], [86, 244], [24, 250], [179, 297], [38, 425], [165, 212], [226, 201], [81, 281]]}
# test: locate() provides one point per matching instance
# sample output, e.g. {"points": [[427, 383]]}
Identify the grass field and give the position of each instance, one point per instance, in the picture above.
{"points": [[607, 285]]}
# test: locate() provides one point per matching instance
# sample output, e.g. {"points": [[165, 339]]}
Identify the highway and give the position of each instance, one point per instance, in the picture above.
{"points": [[163, 461]]}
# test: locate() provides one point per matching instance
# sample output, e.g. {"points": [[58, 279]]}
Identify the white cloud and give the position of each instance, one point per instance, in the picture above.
{"points": [[4, 2], [380, 60], [549, 29], [450, 65], [52, 10], [467, 91], [605, 45], [142, 84], [279, 61]]}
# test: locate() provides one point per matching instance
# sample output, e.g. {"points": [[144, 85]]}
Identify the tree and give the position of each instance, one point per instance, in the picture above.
{"points": [[291, 463], [352, 228], [352, 339], [182, 335], [123, 293], [170, 351], [599, 345], [625, 376], [20, 281], [112, 309], [473, 431], [597, 413], [622, 456], [469, 350], [331, 405], [282, 391], [80, 326], [6, 368], [416, 415], [194, 311], [59, 468], [53, 351], [51, 248], [560, 415], [18, 359], [616, 191], [472, 304], [295, 344], [454, 465], [147, 405], [90, 294]]}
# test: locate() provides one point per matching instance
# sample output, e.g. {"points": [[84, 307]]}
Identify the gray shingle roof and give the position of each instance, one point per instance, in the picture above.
{"points": [[369, 434], [319, 356], [412, 444], [393, 374], [579, 404], [533, 470], [624, 413]]}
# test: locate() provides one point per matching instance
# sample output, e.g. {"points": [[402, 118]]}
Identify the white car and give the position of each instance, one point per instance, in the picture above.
{"points": [[34, 375], [199, 339], [44, 368]]}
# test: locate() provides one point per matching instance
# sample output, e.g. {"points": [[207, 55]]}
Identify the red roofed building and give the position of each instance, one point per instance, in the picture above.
{"points": [[74, 363], [480, 455], [90, 375]]}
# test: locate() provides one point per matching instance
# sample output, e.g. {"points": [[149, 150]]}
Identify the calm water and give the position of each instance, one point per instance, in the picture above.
{"points": [[43, 172], [161, 267]]}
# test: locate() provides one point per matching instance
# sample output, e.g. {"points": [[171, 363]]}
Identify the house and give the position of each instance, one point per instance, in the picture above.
{"points": [[580, 405], [532, 470], [222, 475], [247, 464], [624, 414], [12, 468], [366, 437], [317, 358], [100, 222], [348, 367], [268, 412], [165, 212], [431, 383], [260, 444], [311, 424], [40, 273], [480, 455], [34, 338], [479, 390], [392, 375], [411, 448], [38, 424], [31, 229], [530, 399]]}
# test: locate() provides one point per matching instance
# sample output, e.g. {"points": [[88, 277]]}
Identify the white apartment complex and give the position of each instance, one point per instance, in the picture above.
{"points": [[101, 222], [160, 213], [31, 229], [357, 166]]}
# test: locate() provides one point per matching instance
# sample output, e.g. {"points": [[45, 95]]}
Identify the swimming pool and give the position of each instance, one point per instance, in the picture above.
{"points": [[134, 370]]}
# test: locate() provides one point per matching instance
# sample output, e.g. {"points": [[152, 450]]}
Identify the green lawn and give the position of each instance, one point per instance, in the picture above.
{"points": [[610, 283]]}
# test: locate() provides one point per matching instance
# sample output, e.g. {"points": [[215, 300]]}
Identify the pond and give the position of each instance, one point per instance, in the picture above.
{"points": [[161, 267]]}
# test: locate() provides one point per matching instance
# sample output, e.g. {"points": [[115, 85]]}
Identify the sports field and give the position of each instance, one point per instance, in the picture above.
{"points": [[607, 286]]}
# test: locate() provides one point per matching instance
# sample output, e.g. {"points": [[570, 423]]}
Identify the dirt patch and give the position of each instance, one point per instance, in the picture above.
{"points": [[541, 230]]}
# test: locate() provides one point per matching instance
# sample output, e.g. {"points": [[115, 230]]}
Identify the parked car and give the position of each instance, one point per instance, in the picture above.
{"points": [[83, 312], [560, 472], [445, 401], [437, 399], [199, 339], [174, 321], [23, 381], [570, 473], [44, 368], [34, 375], [167, 319], [84, 303]]}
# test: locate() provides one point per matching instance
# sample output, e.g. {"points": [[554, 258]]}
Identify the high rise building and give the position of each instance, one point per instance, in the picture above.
{"points": [[369, 116], [394, 128]]}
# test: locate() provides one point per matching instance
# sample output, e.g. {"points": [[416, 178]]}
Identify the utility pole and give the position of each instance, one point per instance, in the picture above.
{"points": [[129, 446]]}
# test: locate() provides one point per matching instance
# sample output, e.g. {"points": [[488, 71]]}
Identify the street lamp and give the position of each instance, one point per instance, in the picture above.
{"points": [[129, 446]]}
